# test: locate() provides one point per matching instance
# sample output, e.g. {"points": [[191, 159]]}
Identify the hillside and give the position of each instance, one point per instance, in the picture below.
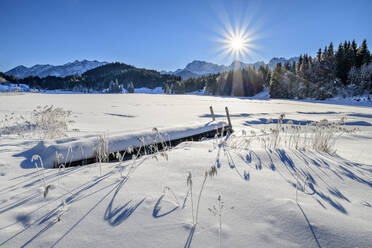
{"points": [[126, 74], [113, 76]]}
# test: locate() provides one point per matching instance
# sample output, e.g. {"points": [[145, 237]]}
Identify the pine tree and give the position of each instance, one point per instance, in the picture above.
{"points": [[276, 84], [287, 66], [265, 74], [310, 62], [330, 50], [325, 53], [306, 59], [293, 67], [363, 55], [341, 71], [349, 58], [299, 64], [354, 50], [304, 65], [346, 45], [319, 55]]}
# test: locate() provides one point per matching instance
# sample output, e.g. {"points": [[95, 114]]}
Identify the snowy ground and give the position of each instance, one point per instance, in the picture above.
{"points": [[258, 186]]}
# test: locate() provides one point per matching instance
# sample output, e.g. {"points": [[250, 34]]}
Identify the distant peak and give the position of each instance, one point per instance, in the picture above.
{"points": [[76, 61], [198, 62], [20, 67]]}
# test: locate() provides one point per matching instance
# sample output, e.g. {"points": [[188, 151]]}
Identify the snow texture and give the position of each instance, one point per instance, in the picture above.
{"points": [[152, 207]]}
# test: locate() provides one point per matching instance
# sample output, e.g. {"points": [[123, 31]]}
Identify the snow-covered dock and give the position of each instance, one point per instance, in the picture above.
{"points": [[81, 151]]}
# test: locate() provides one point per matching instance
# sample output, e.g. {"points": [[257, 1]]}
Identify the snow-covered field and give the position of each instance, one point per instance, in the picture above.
{"points": [[272, 197]]}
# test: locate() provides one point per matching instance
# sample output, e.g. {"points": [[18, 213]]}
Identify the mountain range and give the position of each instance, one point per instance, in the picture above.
{"points": [[194, 69], [71, 68], [199, 68]]}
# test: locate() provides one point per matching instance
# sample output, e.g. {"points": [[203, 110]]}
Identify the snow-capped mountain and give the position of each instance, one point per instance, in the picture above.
{"points": [[203, 68], [71, 68], [238, 64], [185, 74], [199, 68]]}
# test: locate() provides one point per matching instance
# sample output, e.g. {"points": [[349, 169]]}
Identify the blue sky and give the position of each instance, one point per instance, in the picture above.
{"points": [[169, 34]]}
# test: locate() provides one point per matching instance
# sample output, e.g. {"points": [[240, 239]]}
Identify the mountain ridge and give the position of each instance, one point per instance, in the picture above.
{"points": [[194, 69], [198, 68], [44, 70]]}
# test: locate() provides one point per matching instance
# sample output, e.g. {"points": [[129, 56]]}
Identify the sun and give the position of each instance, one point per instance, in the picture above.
{"points": [[237, 43]]}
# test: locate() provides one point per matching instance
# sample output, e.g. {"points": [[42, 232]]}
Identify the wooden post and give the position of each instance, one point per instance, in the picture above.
{"points": [[212, 113], [228, 116]]}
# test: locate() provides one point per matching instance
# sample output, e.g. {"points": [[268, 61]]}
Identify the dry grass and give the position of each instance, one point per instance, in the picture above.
{"points": [[46, 122], [320, 136]]}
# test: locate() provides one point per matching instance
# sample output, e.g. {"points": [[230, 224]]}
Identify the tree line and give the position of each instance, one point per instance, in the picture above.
{"points": [[239, 82], [346, 71]]}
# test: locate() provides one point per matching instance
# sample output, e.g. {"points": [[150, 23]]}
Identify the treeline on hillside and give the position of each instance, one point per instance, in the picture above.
{"points": [[347, 70], [194, 84], [113, 76], [240, 82]]}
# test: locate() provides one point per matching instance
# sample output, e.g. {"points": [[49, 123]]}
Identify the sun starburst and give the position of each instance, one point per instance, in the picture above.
{"points": [[237, 40], [237, 44]]}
